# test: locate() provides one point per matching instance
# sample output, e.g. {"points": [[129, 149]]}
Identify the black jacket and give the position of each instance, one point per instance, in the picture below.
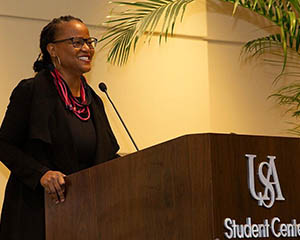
{"points": [[34, 138]]}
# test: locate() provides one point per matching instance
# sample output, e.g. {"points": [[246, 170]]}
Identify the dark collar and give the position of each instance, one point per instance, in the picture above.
{"points": [[44, 101]]}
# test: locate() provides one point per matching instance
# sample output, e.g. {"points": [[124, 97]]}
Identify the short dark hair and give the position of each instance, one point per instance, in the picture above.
{"points": [[47, 36]]}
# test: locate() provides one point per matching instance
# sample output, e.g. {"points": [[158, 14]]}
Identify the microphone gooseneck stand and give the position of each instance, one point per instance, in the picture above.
{"points": [[103, 88]]}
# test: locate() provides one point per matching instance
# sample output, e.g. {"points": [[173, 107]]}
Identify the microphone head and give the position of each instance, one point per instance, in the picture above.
{"points": [[102, 87]]}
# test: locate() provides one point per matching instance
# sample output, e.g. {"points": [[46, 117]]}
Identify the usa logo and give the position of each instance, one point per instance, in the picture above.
{"points": [[268, 177]]}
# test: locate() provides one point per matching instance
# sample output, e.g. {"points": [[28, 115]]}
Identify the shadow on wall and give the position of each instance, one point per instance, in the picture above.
{"points": [[225, 8]]}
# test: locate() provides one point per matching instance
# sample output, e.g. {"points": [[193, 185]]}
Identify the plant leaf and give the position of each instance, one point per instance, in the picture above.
{"points": [[142, 18]]}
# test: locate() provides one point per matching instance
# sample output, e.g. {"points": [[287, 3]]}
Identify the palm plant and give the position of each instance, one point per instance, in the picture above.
{"points": [[141, 19]]}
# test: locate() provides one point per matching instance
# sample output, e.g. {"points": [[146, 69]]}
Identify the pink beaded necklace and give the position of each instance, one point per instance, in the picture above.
{"points": [[79, 107]]}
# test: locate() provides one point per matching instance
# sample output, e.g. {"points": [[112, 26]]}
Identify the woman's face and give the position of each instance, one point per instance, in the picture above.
{"points": [[72, 60]]}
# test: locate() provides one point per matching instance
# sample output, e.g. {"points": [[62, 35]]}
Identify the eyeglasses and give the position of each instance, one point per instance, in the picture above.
{"points": [[78, 42]]}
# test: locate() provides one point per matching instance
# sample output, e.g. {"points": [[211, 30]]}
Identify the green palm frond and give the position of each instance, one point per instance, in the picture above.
{"points": [[141, 18], [284, 14], [290, 97], [260, 45]]}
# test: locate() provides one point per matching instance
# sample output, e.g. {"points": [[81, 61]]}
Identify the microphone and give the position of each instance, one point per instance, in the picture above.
{"points": [[103, 88]]}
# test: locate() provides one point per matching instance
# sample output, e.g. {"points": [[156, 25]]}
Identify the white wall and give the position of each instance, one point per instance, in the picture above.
{"points": [[194, 83]]}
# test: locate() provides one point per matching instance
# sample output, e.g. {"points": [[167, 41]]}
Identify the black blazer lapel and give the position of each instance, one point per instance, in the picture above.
{"points": [[44, 102], [49, 124]]}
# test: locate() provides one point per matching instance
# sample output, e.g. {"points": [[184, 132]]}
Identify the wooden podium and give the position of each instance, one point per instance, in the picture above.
{"points": [[190, 188]]}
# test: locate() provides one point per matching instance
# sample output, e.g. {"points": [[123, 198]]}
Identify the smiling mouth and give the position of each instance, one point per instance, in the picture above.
{"points": [[86, 59]]}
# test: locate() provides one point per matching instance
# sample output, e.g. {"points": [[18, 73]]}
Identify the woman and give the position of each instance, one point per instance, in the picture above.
{"points": [[55, 125]]}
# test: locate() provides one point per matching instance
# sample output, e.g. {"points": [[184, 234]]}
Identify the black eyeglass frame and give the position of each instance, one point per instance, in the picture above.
{"points": [[83, 40]]}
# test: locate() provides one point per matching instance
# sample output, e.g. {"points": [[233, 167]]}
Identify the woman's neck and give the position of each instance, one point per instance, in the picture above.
{"points": [[73, 81]]}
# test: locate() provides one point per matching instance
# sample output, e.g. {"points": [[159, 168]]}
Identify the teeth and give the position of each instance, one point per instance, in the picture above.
{"points": [[84, 58]]}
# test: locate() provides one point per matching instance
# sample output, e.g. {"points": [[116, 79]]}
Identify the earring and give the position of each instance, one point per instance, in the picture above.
{"points": [[58, 60]]}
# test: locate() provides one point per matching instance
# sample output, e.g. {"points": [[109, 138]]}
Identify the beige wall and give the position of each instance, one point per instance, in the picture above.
{"points": [[239, 89], [194, 83]]}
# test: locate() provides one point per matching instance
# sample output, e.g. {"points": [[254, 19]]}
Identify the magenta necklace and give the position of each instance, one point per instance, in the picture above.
{"points": [[79, 107]]}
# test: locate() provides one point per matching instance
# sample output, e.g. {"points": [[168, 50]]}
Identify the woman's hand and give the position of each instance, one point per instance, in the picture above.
{"points": [[54, 184]]}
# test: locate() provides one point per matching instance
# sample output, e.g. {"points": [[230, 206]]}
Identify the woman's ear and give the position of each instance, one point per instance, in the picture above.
{"points": [[51, 49]]}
